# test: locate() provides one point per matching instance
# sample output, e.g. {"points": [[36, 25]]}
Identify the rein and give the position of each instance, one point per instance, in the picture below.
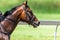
{"points": [[4, 31], [11, 20]]}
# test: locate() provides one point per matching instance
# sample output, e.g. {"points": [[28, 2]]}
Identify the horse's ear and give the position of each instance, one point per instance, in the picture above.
{"points": [[25, 3]]}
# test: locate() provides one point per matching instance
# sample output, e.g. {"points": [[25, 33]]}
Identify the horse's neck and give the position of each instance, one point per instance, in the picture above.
{"points": [[8, 24]]}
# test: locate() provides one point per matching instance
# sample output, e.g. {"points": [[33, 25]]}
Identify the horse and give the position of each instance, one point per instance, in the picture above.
{"points": [[19, 13]]}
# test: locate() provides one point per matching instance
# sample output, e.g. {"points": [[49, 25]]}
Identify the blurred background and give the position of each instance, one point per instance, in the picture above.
{"points": [[44, 10]]}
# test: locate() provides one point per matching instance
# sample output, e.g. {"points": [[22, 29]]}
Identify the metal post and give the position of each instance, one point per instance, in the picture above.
{"points": [[55, 33]]}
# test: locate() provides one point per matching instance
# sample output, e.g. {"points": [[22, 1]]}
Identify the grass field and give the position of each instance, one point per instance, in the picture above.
{"points": [[43, 32]]}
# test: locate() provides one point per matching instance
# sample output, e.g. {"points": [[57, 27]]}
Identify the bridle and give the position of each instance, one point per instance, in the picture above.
{"points": [[31, 18]]}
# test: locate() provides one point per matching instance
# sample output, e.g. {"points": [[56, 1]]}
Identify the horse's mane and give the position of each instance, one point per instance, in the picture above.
{"points": [[9, 12]]}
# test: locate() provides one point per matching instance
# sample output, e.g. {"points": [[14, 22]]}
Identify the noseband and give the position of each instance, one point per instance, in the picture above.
{"points": [[31, 18]]}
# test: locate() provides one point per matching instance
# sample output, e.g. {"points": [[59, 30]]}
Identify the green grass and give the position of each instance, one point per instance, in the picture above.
{"points": [[25, 32]]}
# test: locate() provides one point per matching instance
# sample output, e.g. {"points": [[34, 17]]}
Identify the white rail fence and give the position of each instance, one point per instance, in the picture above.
{"points": [[48, 22]]}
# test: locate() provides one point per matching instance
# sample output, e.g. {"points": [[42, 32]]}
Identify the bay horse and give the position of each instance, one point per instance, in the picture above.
{"points": [[20, 13]]}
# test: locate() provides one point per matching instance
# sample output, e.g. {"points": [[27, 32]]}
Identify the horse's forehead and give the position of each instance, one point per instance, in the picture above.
{"points": [[21, 7]]}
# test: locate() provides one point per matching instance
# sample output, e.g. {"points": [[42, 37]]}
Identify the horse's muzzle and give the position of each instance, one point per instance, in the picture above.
{"points": [[35, 24]]}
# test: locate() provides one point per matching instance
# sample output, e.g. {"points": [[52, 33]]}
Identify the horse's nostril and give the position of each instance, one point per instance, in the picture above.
{"points": [[39, 23]]}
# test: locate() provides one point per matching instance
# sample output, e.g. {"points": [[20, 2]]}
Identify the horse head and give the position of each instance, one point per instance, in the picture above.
{"points": [[28, 16]]}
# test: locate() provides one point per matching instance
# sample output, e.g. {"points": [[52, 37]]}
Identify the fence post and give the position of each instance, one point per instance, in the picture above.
{"points": [[55, 33]]}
